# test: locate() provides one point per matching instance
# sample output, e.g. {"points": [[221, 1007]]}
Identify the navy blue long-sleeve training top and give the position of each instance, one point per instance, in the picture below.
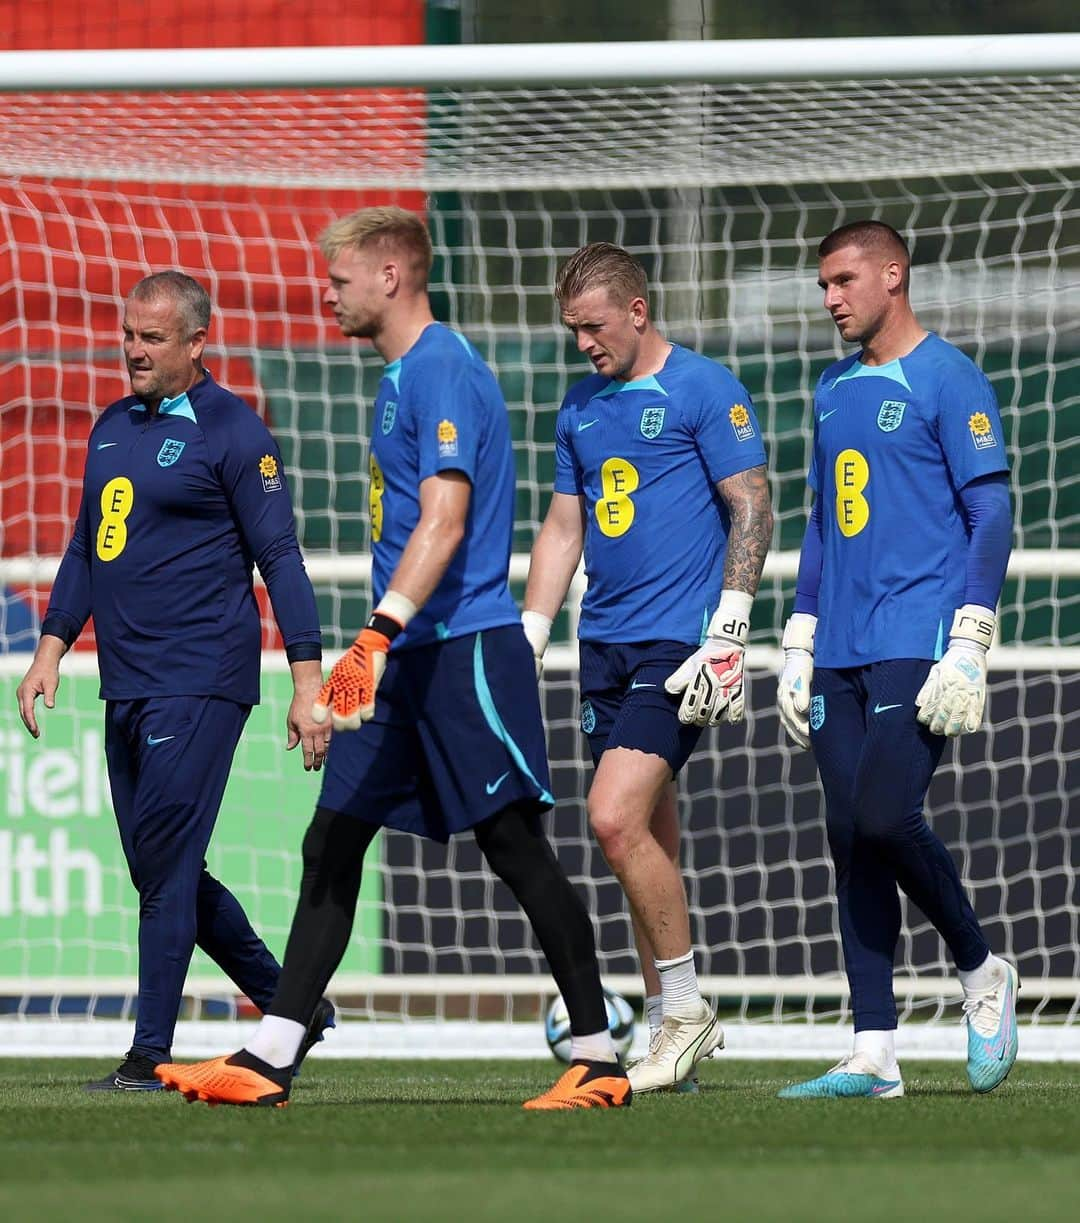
{"points": [[176, 508]]}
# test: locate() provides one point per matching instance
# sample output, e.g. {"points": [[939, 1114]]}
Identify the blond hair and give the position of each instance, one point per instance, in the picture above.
{"points": [[601, 265], [386, 230]]}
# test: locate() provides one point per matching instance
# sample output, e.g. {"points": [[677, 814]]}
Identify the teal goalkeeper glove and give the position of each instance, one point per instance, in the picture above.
{"points": [[793, 686], [711, 680], [951, 701]]}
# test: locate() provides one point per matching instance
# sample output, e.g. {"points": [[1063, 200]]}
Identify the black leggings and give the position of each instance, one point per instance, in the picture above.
{"points": [[517, 851]]}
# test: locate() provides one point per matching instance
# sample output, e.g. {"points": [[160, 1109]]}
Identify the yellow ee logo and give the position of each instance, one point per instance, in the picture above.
{"points": [[375, 495], [852, 476], [117, 499], [615, 510]]}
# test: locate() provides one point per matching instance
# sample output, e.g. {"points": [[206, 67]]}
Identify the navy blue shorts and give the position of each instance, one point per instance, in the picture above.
{"points": [[456, 737], [624, 703]]}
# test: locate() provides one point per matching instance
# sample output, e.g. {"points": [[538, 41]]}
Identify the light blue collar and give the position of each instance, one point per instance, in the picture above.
{"points": [[648, 383], [180, 406], [393, 372], [892, 370]]}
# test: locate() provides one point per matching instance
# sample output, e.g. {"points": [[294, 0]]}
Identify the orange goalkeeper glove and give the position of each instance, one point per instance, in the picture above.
{"points": [[349, 693]]}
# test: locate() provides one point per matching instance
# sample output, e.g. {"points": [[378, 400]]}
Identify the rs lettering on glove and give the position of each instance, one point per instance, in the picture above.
{"points": [[952, 699]]}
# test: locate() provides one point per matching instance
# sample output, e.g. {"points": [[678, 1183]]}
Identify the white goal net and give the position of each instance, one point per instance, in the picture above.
{"points": [[720, 167]]}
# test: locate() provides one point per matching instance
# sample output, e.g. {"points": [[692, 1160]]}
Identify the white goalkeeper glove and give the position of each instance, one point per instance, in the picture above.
{"points": [[537, 628], [952, 699], [793, 687], [711, 679]]}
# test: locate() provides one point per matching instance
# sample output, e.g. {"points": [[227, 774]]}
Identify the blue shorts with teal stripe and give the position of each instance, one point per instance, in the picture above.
{"points": [[624, 702], [456, 737]]}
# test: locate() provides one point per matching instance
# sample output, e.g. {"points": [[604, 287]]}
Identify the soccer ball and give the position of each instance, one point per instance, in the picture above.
{"points": [[620, 1016]]}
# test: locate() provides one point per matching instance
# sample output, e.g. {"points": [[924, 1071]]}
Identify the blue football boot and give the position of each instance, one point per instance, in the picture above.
{"points": [[991, 1024], [851, 1076]]}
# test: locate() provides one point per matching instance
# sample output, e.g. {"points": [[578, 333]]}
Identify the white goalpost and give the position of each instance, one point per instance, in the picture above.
{"points": [[720, 165]]}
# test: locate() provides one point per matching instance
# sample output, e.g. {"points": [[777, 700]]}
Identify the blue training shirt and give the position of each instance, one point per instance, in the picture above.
{"points": [[176, 508], [439, 408], [646, 455], [893, 446]]}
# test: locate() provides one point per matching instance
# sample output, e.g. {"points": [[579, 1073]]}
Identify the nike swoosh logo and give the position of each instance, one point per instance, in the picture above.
{"points": [[638, 684], [825, 415], [106, 445], [587, 424], [492, 786], [883, 708], [152, 742]]}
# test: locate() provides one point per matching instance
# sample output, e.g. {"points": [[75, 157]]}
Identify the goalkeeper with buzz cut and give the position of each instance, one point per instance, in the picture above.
{"points": [[436, 714], [885, 655], [660, 480], [183, 493]]}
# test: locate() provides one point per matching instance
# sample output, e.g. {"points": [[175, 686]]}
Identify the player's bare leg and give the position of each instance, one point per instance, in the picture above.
{"points": [[664, 826], [628, 788]]}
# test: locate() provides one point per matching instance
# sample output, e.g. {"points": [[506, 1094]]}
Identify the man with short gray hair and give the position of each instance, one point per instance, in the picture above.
{"points": [[184, 490]]}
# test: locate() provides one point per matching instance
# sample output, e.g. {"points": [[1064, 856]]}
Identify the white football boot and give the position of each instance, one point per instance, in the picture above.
{"points": [[675, 1049]]}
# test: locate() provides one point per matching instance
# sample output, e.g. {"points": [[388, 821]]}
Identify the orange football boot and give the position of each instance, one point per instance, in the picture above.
{"points": [[241, 1078], [587, 1085]]}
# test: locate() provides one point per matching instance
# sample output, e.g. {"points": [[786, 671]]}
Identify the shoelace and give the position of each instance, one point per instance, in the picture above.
{"points": [[973, 1010]]}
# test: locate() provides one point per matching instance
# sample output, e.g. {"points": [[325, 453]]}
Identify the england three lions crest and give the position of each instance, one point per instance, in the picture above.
{"points": [[170, 451], [890, 414], [652, 422], [389, 415]]}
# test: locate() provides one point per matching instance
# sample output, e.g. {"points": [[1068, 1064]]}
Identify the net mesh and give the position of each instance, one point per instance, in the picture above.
{"points": [[620, 136], [723, 192]]}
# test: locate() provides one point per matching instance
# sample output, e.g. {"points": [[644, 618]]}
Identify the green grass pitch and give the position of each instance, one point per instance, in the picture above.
{"points": [[448, 1140]]}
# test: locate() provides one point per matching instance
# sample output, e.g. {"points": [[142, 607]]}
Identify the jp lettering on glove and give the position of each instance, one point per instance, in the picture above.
{"points": [[793, 686], [348, 696], [711, 679], [952, 699]]}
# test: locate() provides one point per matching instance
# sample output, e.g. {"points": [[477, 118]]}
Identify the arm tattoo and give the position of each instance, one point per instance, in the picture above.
{"points": [[746, 495]]}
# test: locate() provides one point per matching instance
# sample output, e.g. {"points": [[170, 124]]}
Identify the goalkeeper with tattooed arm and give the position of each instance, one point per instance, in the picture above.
{"points": [[885, 655], [435, 702], [660, 481]]}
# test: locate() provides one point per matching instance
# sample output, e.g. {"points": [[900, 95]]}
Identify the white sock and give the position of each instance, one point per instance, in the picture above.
{"points": [[986, 976], [880, 1048], [595, 1048], [654, 1011], [277, 1040], [679, 987]]}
